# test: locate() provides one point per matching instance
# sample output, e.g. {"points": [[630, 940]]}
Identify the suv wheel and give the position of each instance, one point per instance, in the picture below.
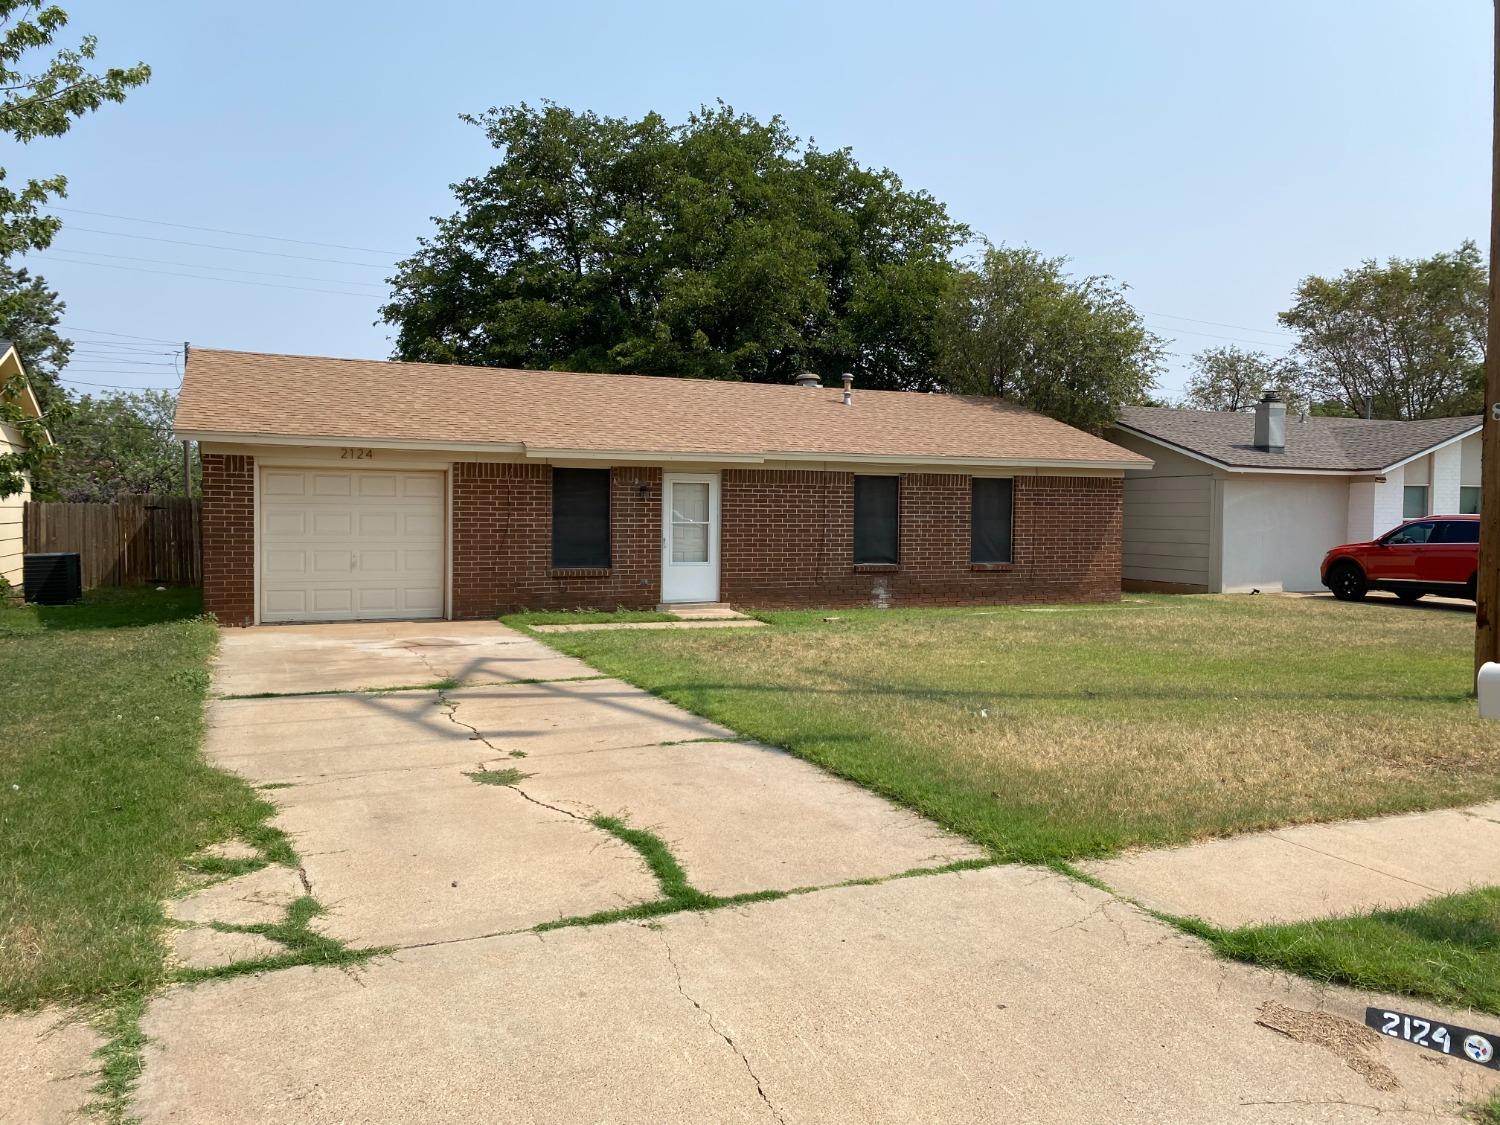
{"points": [[1347, 582], [1408, 597], [1471, 591]]}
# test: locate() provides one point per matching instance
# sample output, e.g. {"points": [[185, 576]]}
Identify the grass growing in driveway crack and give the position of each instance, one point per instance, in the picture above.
{"points": [[497, 777]]}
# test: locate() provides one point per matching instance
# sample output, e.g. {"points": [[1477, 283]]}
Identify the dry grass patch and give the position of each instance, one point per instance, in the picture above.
{"points": [[1086, 729]]}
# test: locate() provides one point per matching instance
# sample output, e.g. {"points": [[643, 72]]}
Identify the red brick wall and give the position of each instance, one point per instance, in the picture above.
{"points": [[788, 540], [502, 542], [228, 531]]}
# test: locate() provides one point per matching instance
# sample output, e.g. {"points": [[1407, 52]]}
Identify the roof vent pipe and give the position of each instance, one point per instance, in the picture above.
{"points": [[848, 389], [1270, 423], [808, 379]]}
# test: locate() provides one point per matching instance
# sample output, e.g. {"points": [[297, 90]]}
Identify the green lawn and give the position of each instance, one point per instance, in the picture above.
{"points": [[1445, 949], [103, 792], [1051, 733]]}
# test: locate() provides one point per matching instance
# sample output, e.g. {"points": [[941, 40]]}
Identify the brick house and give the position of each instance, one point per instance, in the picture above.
{"points": [[358, 489]]}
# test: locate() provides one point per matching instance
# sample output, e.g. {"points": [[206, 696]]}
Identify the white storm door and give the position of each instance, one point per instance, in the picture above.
{"points": [[350, 545], [690, 537]]}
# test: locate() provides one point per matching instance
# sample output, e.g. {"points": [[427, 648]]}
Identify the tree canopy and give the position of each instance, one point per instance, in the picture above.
{"points": [[1016, 325], [43, 90], [719, 248], [1230, 378], [113, 445], [1401, 340]]}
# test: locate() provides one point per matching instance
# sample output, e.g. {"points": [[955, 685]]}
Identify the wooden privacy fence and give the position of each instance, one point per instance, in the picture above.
{"points": [[135, 540]]}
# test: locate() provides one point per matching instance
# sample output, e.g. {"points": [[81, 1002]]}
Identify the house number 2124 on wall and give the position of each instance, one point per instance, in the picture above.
{"points": [[352, 453]]}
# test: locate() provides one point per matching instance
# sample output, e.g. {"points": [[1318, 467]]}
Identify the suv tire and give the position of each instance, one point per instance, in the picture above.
{"points": [[1347, 582], [1409, 597], [1471, 589]]}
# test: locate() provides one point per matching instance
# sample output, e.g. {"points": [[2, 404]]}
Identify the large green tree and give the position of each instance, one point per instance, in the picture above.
{"points": [[1231, 378], [29, 315], [1018, 326], [1401, 340], [114, 445], [44, 88], [722, 247]]}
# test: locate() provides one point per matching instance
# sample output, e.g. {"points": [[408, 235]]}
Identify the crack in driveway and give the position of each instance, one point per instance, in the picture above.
{"points": [[719, 1031]]}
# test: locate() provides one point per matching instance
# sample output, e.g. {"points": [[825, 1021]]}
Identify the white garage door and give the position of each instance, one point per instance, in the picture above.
{"points": [[337, 545]]}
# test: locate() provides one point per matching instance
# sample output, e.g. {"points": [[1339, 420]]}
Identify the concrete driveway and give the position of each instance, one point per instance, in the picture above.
{"points": [[971, 995]]}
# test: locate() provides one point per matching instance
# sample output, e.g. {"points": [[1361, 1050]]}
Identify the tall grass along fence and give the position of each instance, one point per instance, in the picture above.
{"points": [[134, 540]]}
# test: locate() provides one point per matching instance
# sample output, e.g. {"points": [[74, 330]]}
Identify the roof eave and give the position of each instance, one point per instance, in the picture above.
{"points": [[549, 453]]}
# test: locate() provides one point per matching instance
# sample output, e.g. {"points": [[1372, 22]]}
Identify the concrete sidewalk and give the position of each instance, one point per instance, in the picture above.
{"points": [[1315, 871], [1002, 994]]}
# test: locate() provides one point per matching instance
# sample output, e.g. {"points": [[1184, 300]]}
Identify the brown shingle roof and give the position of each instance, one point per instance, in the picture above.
{"points": [[250, 394], [1347, 445]]}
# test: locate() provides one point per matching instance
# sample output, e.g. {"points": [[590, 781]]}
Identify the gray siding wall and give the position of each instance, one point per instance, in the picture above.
{"points": [[1171, 522]]}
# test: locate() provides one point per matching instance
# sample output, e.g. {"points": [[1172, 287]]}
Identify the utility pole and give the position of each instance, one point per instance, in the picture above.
{"points": [[1487, 583], [187, 456]]}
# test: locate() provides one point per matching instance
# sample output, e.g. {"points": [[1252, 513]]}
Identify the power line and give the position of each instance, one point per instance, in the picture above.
{"points": [[1218, 323], [231, 249], [1231, 339], [110, 386], [215, 266], [124, 335], [221, 230], [203, 277]]}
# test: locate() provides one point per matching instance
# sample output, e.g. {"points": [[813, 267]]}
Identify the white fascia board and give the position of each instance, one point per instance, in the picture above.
{"points": [[1256, 470], [1434, 448]]}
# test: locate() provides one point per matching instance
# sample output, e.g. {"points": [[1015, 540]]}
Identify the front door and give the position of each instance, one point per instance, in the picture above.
{"points": [[690, 537]]}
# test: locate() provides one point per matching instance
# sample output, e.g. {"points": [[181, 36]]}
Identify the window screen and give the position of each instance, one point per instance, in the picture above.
{"points": [[580, 518], [1468, 501], [1414, 501], [989, 520], [875, 519]]}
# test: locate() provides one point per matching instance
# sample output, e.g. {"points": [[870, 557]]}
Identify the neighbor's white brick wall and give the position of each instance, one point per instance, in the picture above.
{"points": [[1361, 527], [1447, 469], [1469, 475]]}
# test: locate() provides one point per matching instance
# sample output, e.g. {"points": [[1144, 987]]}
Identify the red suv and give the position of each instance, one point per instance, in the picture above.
{"points": [[1432, 555]]}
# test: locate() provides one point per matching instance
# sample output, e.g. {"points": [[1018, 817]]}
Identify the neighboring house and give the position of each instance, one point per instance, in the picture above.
{"points": [[1238, 501], [357, 489], [12, 508]]}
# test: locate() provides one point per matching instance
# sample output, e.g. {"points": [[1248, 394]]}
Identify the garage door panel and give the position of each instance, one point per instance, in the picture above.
{"points": [[382, 562], [374, 525], [284, 484], [332, 524], [286, 601], [351, 544], [372, 484], [289, 524], [278, 563], [379, 598], [332, 484], [420, 600]]}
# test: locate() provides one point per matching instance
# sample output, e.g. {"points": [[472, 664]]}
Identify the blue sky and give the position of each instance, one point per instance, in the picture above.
{"points": [[1208, 155]]}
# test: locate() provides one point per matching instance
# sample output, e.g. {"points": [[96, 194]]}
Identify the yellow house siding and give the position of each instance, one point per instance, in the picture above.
{"points": [[10, 516]]}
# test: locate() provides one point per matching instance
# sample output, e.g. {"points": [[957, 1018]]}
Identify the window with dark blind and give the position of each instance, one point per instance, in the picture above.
{"points": [[580, 518], [989, 520], [876, 526]]}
